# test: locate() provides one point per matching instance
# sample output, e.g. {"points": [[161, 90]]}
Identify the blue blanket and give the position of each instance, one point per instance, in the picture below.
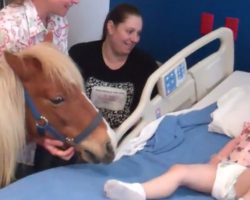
{"points": [[178, 139]]}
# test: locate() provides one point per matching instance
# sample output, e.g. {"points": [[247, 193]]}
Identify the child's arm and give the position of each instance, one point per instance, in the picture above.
{"points": [[225, 151], [229, 147]]}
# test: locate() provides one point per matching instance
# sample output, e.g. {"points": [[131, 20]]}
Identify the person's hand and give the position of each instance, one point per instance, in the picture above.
{"points": [[54, 147]]}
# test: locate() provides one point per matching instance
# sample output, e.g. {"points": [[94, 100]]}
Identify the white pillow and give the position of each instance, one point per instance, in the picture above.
{"points": [[233, 110]]}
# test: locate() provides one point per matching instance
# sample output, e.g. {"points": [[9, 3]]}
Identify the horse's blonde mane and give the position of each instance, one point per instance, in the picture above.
{"points": [[58, 67], [12, 122], [55, 64]]}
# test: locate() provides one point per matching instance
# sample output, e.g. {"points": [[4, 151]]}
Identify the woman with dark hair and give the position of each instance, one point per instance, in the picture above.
{"points": [[115, 71]]}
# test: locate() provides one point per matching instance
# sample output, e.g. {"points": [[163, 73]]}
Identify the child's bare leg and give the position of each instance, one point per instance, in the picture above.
{"points": [[242, 186], [199, 177], [245, 196]]}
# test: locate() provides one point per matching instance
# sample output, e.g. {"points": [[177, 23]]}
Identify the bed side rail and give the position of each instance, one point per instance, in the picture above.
{"points": [[200, 79], [212, 70]]}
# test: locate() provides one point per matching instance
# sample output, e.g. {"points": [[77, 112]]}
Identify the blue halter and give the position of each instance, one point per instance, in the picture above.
{"points": [[43, 125]]}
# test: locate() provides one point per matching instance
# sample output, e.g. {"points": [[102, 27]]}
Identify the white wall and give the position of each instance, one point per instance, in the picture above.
{"points": [[86, 20]]}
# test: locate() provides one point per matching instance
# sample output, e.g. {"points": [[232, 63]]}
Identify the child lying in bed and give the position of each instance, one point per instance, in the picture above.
{"points": [[226, 176]]}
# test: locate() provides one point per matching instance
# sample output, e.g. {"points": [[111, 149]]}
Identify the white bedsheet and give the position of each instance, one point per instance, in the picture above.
{"points": [[137, 143]]}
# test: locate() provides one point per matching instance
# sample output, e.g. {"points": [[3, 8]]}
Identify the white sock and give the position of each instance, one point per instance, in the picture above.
{"points": [[117, 190]]}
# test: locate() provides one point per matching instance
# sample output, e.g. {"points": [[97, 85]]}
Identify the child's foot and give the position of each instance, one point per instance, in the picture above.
{"points": [[117, 190]]}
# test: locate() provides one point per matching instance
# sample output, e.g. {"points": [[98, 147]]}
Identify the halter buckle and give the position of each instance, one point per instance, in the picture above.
{"points": [[70, 141], [42, 122]]}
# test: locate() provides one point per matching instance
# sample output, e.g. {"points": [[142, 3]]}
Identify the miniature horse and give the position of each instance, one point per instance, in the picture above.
{"points": [[42, 93]]}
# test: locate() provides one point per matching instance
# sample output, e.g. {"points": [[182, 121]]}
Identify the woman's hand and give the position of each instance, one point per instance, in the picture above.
{"points": [[55, 148]]}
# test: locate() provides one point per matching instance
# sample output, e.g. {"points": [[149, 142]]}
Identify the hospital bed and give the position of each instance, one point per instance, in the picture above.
{"points": [[179, 137]]}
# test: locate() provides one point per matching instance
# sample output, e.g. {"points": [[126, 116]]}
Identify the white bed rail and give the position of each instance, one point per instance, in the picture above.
{"points": [[210, 71], [201, 79]]}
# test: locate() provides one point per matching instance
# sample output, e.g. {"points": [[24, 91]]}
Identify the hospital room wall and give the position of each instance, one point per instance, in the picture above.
{"points": [[170, 25], [86, 20]]}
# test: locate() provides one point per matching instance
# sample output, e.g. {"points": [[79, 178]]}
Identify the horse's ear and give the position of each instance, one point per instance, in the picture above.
{"points": [[48, 37], [24, 68], [14, 61]]}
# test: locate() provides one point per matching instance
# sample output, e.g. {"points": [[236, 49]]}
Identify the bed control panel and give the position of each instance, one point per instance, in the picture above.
{"points": [[170, 81]]}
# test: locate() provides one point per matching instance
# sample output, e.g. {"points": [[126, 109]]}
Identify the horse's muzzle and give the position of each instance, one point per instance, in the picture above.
{"points": [[88, 156]]}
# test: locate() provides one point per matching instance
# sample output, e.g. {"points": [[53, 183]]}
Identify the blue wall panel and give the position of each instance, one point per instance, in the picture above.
{"points": [[170, 25]]}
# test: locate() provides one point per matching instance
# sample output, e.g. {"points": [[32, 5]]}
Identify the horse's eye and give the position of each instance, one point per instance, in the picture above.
{"points": [[57, 100]]}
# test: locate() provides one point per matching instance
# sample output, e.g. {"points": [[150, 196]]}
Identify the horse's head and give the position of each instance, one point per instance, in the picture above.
{"points": [[53, 88]]}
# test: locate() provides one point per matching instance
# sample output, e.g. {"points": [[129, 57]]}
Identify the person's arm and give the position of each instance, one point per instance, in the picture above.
{"points": [[149, 66], [225, 151]]}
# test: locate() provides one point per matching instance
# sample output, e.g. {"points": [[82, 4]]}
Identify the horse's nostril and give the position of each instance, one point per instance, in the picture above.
{"points": [[91, 156]]}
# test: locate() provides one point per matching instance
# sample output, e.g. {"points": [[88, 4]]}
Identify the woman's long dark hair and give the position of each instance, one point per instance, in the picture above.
{"points": [[118, 15]]}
